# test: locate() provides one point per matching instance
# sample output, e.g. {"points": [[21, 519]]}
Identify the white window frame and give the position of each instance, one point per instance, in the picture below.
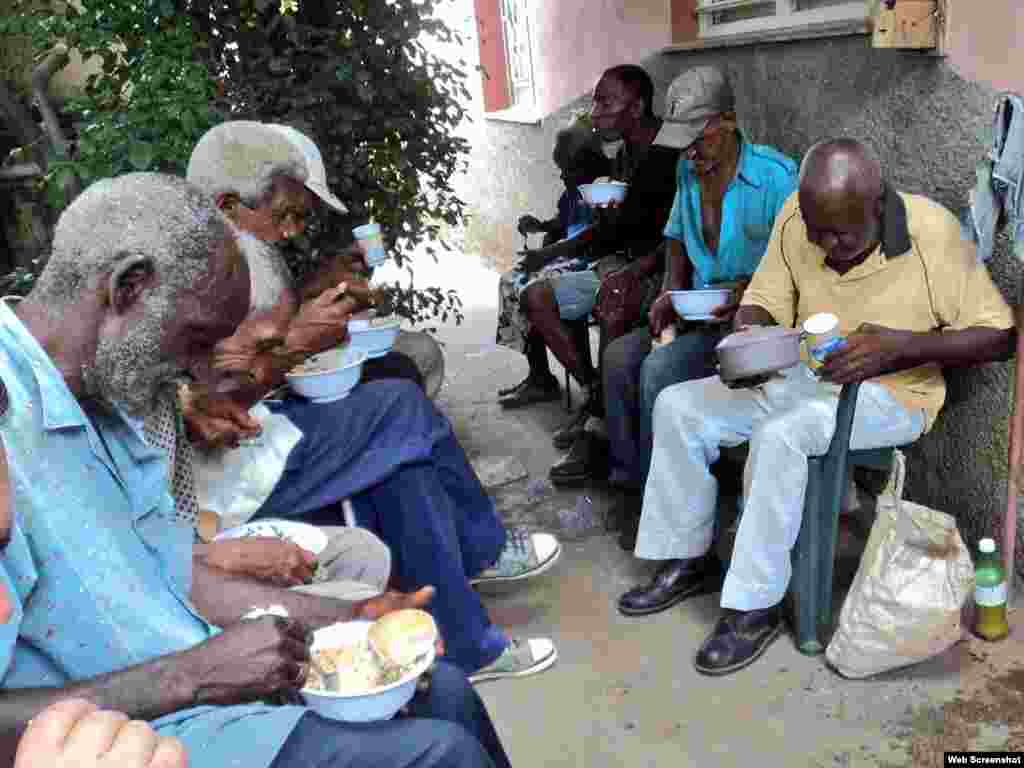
{"points": [[786, 18]]}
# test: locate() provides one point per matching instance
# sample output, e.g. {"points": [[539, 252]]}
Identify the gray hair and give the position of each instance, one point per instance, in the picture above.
{"points": [[159, 216], [244, 157]]}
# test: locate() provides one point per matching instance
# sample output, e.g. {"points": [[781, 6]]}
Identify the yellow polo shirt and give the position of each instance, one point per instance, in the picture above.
{"points": [[923, 277]]}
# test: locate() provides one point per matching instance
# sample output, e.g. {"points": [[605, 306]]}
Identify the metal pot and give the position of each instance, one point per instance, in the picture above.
{"points": [[757, 351]]}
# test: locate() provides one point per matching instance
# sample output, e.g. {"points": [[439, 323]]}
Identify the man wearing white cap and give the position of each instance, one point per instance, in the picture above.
{"points": [[728, 193], [385, 446], [415, 355]]}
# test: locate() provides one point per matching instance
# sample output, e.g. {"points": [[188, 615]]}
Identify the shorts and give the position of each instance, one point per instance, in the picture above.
{"points": [[576, 293]]}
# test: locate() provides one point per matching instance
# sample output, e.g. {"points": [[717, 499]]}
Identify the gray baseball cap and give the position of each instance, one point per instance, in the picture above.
{"points": [[693, 99]]}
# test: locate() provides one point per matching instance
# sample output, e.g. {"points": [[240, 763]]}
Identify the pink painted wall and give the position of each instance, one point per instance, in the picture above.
{"points": [[576, 40], [986, 42]]}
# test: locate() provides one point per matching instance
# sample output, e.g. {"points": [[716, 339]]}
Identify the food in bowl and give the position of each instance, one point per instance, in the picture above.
{"points": [[374, 336], [313, 365], [363, 693], [354, 667], [307, 536], [328, 376], [402, 637], [602, 193]]}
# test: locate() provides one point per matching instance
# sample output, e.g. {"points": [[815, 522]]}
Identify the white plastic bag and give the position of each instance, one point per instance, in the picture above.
{"points": [[904, 604], [235, 483]]}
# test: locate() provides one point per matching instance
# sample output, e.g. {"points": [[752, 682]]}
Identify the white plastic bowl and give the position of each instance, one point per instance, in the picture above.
{"points": [[698, 305], [381, 703], [306, 536], [342, 367], [604, 192], [375, 340]]}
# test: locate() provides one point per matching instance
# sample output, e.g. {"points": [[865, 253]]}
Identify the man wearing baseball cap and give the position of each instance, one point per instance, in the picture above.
{"points": [[385, 449], [728, 193]]}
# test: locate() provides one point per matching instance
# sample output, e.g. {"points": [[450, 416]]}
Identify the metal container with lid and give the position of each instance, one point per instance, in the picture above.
{"points": [[757, 351]]}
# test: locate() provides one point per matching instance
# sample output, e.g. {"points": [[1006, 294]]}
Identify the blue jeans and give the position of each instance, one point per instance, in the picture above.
{"points": [[388, 449], [447, 727], [634, 375]]}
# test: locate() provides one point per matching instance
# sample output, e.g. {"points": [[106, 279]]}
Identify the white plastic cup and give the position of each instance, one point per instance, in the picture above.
{"points": [[372, 243], [822, 339]]}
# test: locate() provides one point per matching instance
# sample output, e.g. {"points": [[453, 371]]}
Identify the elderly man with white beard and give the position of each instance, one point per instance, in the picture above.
{"points": [[145, 275], [385, 446]]}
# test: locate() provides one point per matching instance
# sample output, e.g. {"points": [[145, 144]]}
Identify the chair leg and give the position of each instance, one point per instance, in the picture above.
{"points": [[803, 588]]}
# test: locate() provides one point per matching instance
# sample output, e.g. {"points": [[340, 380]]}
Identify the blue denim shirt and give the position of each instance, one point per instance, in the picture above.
{"points": [[764, 179], [99, 570]]}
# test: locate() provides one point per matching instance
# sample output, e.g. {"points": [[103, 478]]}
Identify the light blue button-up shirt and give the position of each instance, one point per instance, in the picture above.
{"points": [[99, 569], [764, 179]]}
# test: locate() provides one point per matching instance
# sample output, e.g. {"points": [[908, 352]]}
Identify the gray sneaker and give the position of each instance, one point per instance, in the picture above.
{"points": [[526, 554], [523, 657]]}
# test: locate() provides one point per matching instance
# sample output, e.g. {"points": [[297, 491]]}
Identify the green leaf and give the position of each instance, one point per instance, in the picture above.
{"points": [[141, 155]]}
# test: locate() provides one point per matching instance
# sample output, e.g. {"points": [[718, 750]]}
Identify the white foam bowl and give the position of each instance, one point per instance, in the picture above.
{"points": [[380, 703], [375, 340], [306, 536], [699, 305], [604, 192], [342, 367]]}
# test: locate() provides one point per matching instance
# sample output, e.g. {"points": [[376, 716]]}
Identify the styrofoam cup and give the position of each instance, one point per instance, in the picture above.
{"points": [[370, 240]]}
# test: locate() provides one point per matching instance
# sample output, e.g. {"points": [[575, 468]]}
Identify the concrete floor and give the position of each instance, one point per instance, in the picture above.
{"points": [[624, 691]]}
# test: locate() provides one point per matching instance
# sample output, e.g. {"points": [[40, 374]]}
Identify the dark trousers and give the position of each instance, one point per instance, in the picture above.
{"points": [[446, 727], [388, 449], [634, 376]]}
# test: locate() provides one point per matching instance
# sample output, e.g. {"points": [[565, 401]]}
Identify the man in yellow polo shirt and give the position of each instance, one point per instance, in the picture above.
{"points": [[911, 297]]}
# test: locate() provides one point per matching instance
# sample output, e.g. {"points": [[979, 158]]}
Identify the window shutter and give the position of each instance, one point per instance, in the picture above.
{"points": [[492, 55]]}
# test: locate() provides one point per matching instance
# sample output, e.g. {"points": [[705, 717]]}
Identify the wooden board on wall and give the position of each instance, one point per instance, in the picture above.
{"points": [[682, 18], [910, 24], [493, 59]]}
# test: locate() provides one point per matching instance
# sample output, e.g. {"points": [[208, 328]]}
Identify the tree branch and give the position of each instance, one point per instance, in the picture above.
{"points": [[20, 120], [41, 76]]}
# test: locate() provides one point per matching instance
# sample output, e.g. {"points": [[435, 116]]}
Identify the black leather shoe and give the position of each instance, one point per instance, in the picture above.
{"points": [[738, 639], [673, 582], [506, 391], [587, 457], [532, 391], [565, 437]]}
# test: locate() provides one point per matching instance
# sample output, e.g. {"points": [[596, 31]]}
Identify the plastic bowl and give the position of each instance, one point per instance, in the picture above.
{"points": [[699, 305], [306, 536], [604, 192], [338, 373], [381, 703], [375, 340]]}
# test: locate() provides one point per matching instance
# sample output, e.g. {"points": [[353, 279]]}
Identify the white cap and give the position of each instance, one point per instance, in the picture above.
{"points": [[987, 546], [316, 182]]}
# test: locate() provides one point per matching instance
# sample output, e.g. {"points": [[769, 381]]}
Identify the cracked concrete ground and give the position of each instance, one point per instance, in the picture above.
{"points": [[624, 691]]}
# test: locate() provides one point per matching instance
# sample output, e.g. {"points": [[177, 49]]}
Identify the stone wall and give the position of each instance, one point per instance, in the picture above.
{"points": [[929, 126]]}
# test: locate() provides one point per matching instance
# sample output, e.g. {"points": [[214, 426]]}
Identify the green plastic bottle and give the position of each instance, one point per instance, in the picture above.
{"points": [[990, 593]]}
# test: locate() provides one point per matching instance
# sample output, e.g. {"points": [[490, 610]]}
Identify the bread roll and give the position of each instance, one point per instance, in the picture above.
{"points": [[403, 636]]}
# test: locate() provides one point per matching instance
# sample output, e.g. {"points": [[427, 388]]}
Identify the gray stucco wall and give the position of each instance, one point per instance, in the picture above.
{"points": [[930, 129]]}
